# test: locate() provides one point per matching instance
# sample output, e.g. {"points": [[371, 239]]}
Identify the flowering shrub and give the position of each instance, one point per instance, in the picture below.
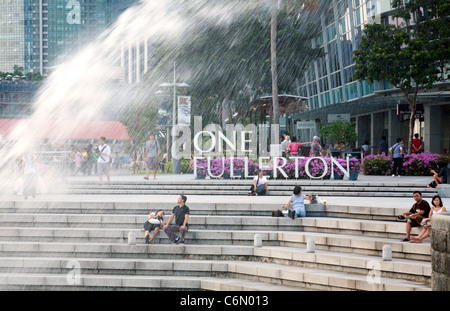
{"points": [[413, 165], [201, 167]]}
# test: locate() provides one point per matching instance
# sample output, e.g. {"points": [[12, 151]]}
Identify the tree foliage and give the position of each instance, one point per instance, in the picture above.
{"points": [[232, 63], [141, 119], [411, 55], [18, 74], [339, 132]]}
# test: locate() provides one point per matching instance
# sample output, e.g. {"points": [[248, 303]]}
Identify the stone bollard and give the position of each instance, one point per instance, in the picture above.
{"points": [[257, 240], [311, 246], [387, 253], [131, 238]]}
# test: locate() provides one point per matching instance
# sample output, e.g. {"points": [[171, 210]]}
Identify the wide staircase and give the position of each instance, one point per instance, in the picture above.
{"points": [[395, 188], [83, 244]]}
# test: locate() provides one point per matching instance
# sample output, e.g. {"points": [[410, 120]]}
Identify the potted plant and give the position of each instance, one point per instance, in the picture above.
{"points": [[354, 168], [201, 168], [337, 173]]}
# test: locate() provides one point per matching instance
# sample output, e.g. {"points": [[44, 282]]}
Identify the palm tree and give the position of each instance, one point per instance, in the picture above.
{"points": [[273, 55]]}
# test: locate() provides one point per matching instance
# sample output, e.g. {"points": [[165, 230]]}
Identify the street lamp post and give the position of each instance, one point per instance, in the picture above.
{"points": [[174, 115]]}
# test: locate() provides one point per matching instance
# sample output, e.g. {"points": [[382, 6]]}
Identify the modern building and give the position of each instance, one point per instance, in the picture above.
{"points": [[332, 91], [38, 35], [16, 98]]}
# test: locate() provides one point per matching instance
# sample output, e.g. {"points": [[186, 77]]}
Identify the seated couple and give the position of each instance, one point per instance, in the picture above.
{"points": [[156, 222]]}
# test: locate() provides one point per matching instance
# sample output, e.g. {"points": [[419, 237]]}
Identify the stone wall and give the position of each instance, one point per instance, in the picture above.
{"points": [[440, 252]]}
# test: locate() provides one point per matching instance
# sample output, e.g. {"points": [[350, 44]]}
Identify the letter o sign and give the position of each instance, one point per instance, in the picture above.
{"points": [[309, 173]]}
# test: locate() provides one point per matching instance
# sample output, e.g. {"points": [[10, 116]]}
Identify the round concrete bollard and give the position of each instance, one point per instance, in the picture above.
{"points": [[311, 246], [387, 253], [257, 240], [131, 238]]}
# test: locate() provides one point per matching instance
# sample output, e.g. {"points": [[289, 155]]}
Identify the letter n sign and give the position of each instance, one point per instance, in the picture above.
{"points": [[74, 15]]}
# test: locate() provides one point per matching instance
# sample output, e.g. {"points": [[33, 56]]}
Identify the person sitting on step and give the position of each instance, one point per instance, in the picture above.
{"points": [[154, 222], [298, 203], [414, 217]]}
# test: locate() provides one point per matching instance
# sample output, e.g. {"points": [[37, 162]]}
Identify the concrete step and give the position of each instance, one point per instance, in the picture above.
{"points": [[240, 187], [287, 256], [413, 270], [323, 279], [24, 226], [289, 183], [40, 236], [274, 273], [47, 282], [229, 187], [123, 250], [353, 192], [246, 206], [324, 241], [246, 277]]}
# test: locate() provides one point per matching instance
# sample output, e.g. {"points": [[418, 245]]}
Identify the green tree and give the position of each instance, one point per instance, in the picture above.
{"points": [[338, 132], [18, 71], [411, 55], [141, 119], [232, 63]]}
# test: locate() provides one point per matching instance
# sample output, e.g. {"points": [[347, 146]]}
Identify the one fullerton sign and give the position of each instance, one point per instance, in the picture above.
{"points": [[239, 142]]}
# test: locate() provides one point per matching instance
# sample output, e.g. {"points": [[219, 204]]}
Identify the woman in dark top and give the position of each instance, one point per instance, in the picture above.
{"points": [[440, 178]]}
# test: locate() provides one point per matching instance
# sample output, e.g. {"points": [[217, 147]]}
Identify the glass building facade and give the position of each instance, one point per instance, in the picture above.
{"points": [[329, 80], [15, 35], [329, 85], [39, 34]]}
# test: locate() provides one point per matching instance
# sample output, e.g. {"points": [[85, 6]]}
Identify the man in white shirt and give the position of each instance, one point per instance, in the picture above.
{"points": [[103, 163]]}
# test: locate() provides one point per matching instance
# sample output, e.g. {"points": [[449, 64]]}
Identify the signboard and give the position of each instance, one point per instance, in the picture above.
{"points": [[301, 125], [404, 112], [164, 109], [343, 117], [184, 110]]}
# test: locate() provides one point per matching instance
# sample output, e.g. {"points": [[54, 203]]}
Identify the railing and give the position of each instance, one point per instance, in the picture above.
{"points": [[58, 162]]}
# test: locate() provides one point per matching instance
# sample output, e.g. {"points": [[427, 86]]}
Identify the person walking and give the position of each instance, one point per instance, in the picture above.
{"points": [[397, 151], [181, 215], [103, 162], [152, 149]]}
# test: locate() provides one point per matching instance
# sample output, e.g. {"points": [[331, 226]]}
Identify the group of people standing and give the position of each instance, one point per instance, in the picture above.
{"points": [[81, 160], [291, 148]]}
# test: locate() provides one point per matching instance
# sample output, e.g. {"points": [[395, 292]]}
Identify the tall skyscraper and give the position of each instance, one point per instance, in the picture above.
{"points": [[39, 34], [15, 34]]}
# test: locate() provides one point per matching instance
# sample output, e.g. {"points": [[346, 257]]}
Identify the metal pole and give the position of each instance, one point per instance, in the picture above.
{"points": [[174, 114]]}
